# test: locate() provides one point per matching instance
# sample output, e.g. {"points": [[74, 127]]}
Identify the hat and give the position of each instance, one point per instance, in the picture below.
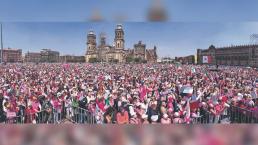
{"points": [[226, 105], [143, 106], [29, 103], [58, 94], [154, 118], [165, 115], [130, 108], [176, 114], [211, 105], [144, 116], [132, 113], [138, 104]]}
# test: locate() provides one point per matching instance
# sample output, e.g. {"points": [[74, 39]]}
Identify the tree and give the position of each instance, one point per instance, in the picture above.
{"points": [[137, 60], [129, 59], [115, 60], [144, 61], [93, 60]]}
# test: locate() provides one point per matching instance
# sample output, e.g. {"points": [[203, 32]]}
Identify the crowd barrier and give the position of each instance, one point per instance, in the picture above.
{"points": [[240, 115], [78, 115], [233, 114], [50, 116]]}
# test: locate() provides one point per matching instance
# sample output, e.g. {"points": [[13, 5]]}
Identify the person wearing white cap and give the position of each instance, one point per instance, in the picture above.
{"points": [[154, 119], [134, 119], [145, 119], [177, 119]]}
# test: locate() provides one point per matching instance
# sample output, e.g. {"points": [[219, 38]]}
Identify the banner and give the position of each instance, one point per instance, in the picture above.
{"points": [[206, 59], [11, 114]]}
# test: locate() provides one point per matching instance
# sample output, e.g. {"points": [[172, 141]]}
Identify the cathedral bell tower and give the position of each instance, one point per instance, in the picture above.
{"points": [[91, 41], [102, 40], [119, 37], [91, 51]]}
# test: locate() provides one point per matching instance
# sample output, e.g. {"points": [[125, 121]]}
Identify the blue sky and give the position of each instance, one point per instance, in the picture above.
{"points": [[63, 24], [171, 38], [134, 10]]}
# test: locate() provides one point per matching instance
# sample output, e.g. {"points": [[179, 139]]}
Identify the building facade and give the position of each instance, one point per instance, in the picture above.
{"points": [[242, 55], [48, 55], [117, 52], [32, 57], [140, 50], [186, 59], [71, 59], [12, 55], [166, 60]]}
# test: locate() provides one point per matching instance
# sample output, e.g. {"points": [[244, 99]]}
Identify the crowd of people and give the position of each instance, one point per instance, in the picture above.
{"points": [[125, 93]]}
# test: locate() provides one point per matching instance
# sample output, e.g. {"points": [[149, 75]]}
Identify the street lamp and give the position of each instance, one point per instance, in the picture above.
{"points": [[2, 46]]}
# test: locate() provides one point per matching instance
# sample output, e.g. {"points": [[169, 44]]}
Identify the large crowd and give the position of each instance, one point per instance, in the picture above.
{"points": [[126, 93]]}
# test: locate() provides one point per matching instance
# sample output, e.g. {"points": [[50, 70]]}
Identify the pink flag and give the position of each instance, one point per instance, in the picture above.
{"points": [[66, 66], [143, 92]]}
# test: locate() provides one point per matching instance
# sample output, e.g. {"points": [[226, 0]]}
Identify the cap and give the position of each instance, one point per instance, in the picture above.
{"points": [[165, 115], [144, 116], [154, 118], [176, 114]]}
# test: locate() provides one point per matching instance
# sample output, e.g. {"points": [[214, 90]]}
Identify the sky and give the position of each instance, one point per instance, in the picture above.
{"points": [[62, 25], [171, 38], [133, 10]]}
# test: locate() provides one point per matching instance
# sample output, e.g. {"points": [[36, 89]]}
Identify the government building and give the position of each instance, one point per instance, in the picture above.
{"points": [[44, 56], [241, 55], [117, 52], [11, 55]]}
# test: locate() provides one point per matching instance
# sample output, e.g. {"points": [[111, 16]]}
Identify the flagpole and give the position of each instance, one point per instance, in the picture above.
{"points": [[2, 46]]}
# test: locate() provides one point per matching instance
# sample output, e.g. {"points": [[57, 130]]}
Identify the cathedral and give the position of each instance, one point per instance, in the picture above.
{"points": [[117, 52]]}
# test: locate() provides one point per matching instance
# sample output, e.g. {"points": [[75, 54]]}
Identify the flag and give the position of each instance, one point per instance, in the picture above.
{"points": [[186, 91], [66, 66], [143, 92], [193, 70], [194, 104], [206, 59], [10, 114]]}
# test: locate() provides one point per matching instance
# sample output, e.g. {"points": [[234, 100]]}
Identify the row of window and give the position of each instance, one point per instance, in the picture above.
{"points": [[232, 57]]}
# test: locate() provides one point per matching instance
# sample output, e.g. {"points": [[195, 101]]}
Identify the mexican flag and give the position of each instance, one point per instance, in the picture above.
{"points": [[206, 59], [193, 70]]}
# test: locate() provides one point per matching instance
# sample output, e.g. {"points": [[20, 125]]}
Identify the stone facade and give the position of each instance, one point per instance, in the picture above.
{"points": [[71, 59], [32, 57], [242, 55], [116, 53], [186, 59], [48, 55], [12, 55]]}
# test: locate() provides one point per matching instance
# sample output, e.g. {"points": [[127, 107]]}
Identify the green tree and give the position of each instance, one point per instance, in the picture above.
{"points": [[115, 60], [137, 60], [93, 60], [129, 59], [144, 61]]}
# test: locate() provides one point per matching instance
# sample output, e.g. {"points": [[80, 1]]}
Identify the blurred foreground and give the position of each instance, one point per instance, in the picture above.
{"points": [[129, 135]]}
